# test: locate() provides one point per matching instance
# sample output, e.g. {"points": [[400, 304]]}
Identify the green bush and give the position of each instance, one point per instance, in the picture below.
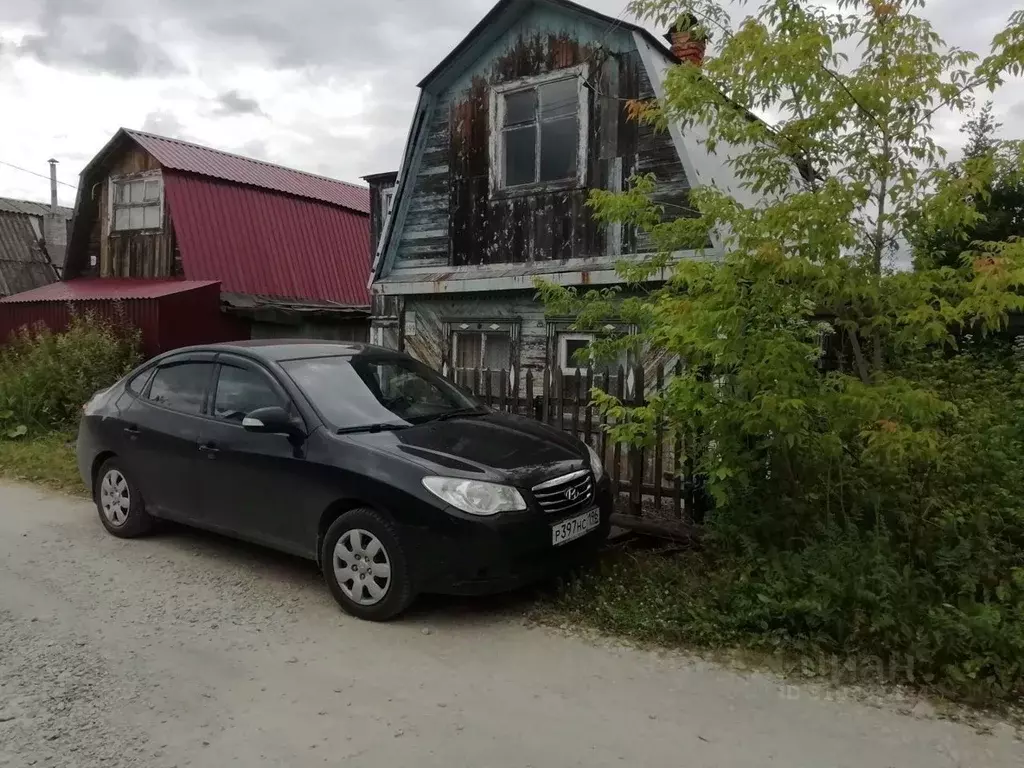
{"points": [[46, 377], [913, 559]]}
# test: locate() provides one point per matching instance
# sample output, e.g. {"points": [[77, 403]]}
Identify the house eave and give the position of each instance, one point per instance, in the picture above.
{"points": [[479, 278]]}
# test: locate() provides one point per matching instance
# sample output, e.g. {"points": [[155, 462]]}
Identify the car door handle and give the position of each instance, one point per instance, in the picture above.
{"points": [[209, 449], [132, 431]]}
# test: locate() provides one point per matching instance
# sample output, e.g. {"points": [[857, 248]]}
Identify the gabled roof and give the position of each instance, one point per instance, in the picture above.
{"points": [[106, 289], [10, 205], [178, 155], [264, 243], [24, 264], [506, 12]]}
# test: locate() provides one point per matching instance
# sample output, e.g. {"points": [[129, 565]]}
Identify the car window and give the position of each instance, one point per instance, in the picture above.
{"points": [[137, 383], [241, 391], [370, 389], [181, 386]]}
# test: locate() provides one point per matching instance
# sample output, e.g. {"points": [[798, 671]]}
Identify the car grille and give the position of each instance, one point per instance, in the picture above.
{"points": [[567, 493]]}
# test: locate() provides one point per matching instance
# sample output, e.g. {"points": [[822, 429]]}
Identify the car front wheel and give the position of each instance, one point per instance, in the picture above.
{"points": [[365, 566], [122, 510]]}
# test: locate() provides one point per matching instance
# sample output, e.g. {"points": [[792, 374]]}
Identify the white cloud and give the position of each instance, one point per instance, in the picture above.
{"points": [[323, 85]]}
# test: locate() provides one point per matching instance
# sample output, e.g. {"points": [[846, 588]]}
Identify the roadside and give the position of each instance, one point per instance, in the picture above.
{"points": [[47, 460], [190, 649]]}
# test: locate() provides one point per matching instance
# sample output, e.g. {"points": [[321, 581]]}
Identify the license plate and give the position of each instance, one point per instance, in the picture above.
{"points": [[574, 527]]}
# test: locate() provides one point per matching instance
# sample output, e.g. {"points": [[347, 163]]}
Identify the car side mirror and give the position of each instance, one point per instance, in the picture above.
{"points": [[272, 420]]}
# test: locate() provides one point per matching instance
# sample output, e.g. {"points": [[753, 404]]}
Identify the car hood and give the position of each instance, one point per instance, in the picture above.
{"points": [[495, 446]]}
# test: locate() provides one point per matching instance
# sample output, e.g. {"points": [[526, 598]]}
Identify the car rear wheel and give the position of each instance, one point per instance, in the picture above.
{"points": [[365, 566], [122, 510]]}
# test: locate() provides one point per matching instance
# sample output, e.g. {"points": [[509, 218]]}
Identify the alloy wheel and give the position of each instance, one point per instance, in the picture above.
{"points": [[115, 498], [362, 567]]}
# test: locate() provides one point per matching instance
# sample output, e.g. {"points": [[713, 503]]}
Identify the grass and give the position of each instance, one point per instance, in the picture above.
{"points": [[48, 460]]}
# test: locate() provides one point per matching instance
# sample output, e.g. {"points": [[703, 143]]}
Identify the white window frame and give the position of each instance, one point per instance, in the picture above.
{"points": [[497, 137], [566, 365], [387, 200], [112, 205]]}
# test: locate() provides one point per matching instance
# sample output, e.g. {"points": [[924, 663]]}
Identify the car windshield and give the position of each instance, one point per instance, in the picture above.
{"points": [[374, 389]]}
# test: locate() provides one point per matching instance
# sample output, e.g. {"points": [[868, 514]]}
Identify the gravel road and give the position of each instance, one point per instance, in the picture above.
{"points": [[190, 650]]}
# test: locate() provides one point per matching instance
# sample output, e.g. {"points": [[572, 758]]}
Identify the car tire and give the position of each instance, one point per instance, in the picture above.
{"points": [[121, 507], [365, 565]]}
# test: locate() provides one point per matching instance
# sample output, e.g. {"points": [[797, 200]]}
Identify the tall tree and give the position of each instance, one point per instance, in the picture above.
{"points": [[999, 204], [856, 94]]}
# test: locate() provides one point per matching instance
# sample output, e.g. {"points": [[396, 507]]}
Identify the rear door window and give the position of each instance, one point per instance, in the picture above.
{"points": [[241, 391], [181, 386]]}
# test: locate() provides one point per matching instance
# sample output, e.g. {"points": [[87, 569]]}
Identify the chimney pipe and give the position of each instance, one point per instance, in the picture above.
{"points": [[689, 43], [53, 186]]}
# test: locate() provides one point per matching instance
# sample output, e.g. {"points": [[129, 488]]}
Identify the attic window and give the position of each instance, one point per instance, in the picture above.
{"points": [[137, 203], [539, 126]]}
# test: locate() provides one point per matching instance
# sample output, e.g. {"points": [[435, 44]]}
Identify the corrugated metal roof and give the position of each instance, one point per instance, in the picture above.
{"points": [[265, 243], [177, 155], [24, 264], [106, 289], [10, 205]]}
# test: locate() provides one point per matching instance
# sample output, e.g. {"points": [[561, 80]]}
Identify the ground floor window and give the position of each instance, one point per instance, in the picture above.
{"points": [[479, 349]]}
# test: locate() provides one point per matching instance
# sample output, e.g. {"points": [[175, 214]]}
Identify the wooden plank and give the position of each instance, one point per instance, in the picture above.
{"points": [[476, 382], [603, 450], [636, 473], [560, 397], [576, 404], [546, 397], [487, 387], [677, 465], [659, 437], [503, 391], [672, 530], [619, 390], [531, 409], [589, 412]]}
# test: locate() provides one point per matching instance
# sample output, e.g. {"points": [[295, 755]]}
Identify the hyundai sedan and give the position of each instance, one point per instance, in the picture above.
{"points": [[390, 477]]}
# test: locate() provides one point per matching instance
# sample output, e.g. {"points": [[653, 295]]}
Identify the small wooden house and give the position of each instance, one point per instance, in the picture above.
{"points": [[291, 250], [513, 129]]}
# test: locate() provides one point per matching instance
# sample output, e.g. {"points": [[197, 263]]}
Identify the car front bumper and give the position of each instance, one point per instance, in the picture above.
{"points": [[476, 555]]}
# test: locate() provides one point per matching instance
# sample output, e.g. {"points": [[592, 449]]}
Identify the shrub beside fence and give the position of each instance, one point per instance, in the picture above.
{"points": [[658, 491]]}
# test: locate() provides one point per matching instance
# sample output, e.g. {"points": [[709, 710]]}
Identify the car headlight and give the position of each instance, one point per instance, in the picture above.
{"points": [[596, 463], [475, 496]]}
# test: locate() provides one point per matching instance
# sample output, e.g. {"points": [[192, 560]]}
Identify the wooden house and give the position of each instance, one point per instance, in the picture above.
{"points": [[513, 129], [290, 250]]}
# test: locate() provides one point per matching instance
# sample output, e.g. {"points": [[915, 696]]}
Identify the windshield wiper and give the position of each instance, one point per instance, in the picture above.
{"points": [[459, 412], [371, 428]]}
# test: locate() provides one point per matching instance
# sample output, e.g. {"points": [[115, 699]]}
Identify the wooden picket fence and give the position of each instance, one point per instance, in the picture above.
{"points": [[658, 491]]}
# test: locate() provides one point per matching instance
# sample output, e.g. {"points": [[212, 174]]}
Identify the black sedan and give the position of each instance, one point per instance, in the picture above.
{"points": [[389, 476]]}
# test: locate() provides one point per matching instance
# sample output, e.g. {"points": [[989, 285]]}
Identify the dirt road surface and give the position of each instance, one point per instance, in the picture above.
{"points": [[190, 650]]}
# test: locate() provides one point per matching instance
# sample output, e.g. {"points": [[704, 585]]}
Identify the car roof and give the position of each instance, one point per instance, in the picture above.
{"points": [[290, 349]]}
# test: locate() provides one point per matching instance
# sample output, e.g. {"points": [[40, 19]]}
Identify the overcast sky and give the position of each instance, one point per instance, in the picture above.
{"points": [[327, 86]]}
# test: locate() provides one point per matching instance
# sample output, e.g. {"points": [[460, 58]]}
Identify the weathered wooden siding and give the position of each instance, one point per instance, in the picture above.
{"points": [[428, 322], [131, 254], [454, 218]]}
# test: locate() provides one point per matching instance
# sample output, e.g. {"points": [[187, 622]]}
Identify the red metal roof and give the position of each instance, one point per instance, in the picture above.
{"points": [[265, 243], [106, 289], [177, 155]]}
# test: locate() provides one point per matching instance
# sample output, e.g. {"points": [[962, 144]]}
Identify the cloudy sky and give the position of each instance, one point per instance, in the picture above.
{"points": [[327, 86]]}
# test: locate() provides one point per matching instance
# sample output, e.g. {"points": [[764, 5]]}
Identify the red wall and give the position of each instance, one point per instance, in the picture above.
{"points": [[167, 322]]}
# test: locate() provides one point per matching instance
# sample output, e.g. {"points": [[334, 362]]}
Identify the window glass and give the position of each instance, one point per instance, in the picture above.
{"points": [[520, 155], [121, 218], [572, 346], [559, 99], [137, 383], [241, 391], [375, 389], [152, 190], [521, 107], [558, 149], [135, 218], [497, 351], [151, 216], [138, 191], [181, 386]]}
